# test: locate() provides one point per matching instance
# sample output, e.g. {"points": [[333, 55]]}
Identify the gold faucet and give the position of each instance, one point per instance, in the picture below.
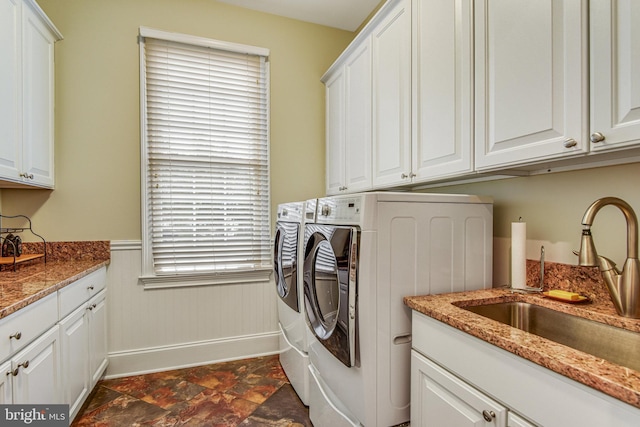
{"points": [[624, 287]]}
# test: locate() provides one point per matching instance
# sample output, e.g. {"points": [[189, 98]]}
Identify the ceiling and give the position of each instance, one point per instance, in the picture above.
{"points": [[343, 14]]}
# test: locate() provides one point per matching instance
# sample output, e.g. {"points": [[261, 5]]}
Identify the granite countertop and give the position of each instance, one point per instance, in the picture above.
{"points": [[34, 280], [615, 380]]}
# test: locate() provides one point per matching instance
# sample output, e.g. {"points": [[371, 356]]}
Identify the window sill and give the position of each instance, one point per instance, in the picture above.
{"points": [[205, 279]]}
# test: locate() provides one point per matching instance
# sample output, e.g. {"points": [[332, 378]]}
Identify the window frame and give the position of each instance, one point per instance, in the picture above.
{"points": [[148, 277]]}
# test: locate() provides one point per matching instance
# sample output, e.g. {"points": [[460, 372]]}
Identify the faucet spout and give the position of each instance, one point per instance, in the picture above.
{"points": [[624, 287], [629, 214]]}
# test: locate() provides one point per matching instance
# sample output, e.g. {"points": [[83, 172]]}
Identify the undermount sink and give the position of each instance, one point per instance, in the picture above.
{"points": [[607, 342]]}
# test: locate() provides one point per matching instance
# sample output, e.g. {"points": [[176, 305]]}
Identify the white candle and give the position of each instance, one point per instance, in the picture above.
{"points": [[518, 255]]}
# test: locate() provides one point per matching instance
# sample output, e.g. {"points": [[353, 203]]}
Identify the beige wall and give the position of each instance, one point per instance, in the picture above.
{"points": [[97, 195], [553, 205]]}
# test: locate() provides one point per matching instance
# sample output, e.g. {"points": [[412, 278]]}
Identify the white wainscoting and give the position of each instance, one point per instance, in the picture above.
{"points": [[163, 329]]}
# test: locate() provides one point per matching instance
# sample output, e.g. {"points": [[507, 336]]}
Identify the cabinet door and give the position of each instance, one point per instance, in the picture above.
{"points": [[38, 375], [358, 119], [335, 121], [514, 420], [443, 88], [440, 399], [5, 383], [530, 81], [10, 90], [391, 50], [38, 99], [74, 350], [615, 73], [98, 360]]}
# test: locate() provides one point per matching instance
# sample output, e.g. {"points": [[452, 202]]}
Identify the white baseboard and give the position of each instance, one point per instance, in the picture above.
{"points": [[144, 361]]}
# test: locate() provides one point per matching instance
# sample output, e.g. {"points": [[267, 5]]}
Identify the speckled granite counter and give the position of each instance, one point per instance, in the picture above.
{"points": [[66, 263], [614, 380]]}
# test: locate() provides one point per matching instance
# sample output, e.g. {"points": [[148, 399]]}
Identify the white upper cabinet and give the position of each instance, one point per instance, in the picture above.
{"points": [[463, 88], [335, 133], [530, 81], [26, 94], [391, 46], [10, 88], [442, 45], [348, 103], [615, 73]]}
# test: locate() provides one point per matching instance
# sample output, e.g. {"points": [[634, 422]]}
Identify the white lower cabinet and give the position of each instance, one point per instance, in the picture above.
{"points": [[514, 420], [84, 350], [456, 377], [98, 360], [74, 335], [441, 399], [5, 383], [35, 371], [64, 361], [83, 335]]}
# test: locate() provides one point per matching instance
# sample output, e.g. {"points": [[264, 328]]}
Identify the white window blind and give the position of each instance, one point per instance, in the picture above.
{"points": [[205, 159]]}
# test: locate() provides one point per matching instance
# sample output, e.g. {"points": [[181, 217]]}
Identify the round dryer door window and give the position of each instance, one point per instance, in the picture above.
{"points": [[327, 289], [278, 244], [285, 256], [329, 292]]}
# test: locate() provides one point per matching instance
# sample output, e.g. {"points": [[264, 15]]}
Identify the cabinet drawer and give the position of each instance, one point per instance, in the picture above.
{"points": [[77, 293], [29, 323]]}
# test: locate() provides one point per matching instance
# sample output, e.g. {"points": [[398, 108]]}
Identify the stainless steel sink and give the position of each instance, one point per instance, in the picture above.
{"points": [[607, 342]]}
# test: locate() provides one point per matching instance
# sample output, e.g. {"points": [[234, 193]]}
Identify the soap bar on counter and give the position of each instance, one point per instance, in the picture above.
{"points": [[571, 296]]}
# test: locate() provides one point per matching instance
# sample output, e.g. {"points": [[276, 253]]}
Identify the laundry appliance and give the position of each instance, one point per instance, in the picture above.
{"points": [[287, 257], [362, 255]]}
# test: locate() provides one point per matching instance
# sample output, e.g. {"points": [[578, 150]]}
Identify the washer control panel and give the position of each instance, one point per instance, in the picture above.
{"points": [[339, 210]]}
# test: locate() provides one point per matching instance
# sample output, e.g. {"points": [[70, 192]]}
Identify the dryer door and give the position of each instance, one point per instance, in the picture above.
{"points": [[330, 270], [285, 262]]}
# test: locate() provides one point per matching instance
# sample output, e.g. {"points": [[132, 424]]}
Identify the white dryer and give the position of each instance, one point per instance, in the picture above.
{"points": [[363, 254], [287, 265]]}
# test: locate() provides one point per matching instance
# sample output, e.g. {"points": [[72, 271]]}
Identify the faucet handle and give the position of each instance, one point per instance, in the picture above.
{"points": [[605, 264]]}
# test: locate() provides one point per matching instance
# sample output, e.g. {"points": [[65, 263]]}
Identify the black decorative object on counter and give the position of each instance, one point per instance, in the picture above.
{"points": [[11, 246], [11, 243]]}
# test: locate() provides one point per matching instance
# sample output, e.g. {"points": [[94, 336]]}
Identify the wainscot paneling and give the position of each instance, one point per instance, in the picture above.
{"points": [[162, 329]]}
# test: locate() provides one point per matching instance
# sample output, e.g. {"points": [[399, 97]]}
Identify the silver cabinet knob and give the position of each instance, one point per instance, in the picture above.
{"points": [[16, 371], [26, 175], [488, 415], [597, 137], [404, 176], [17, 335], [570, 142]]}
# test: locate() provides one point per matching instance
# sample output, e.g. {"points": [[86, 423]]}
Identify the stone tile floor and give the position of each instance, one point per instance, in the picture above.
{"points": [[250, 392]]}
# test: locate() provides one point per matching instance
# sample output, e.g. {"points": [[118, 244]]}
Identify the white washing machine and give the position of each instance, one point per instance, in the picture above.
{"points": [[363, 254], [287, 264]]}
